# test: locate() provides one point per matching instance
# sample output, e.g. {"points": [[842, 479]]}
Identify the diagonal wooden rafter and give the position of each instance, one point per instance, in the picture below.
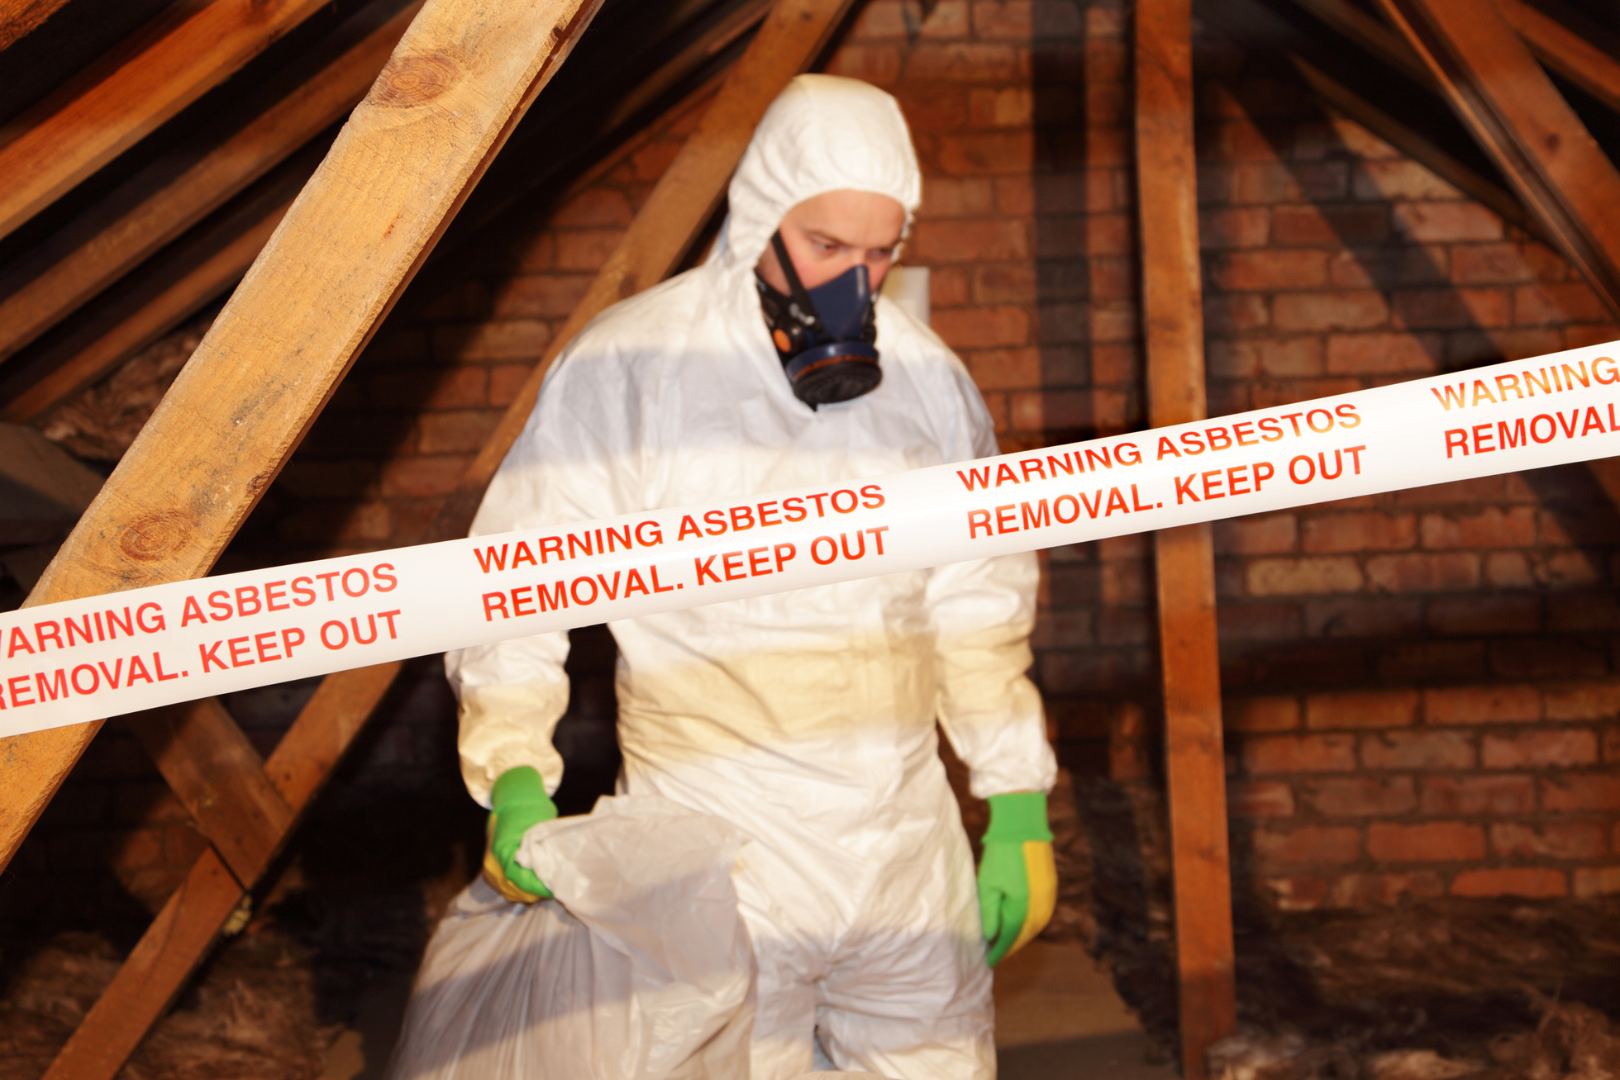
{"points": [[1505, 99], [218, 256], [458, 82], [182, 54], [1564, 51], [1184, 557], [170, 288], [214, 889], [674, 216], [155, 205]]}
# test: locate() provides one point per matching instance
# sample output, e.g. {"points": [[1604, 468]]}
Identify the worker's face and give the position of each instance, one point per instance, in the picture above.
{"points": [[832, 232]]}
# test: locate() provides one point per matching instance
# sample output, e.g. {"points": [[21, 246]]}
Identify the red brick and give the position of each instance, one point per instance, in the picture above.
{"points": [[1267, 534], [1296, 577], [1390, 266], [1596, 881], [1342, 310], [1399, 179], [1560, 840], [1445, 222], [1361, 709], [1303, 893], [1021, 20], [328, 479], [586, 249], [1337, 226], [1258, 622], [1261, 714], [1418, 750], [876, 64], [1233, 313], [1237, 139], [1360, 531], [948, 196], [1261, 799], [1434, 841], [541, 296], [1581, 791], [1482, 705], [1234, 227], [1275, 754], [1280, 357], [1450, 309], [943, 110], [995, 240], [963, 62], [1361, 617], [1005, 369], [1491, 527], [1423, 572], [977, 327], [1273, 182], [1364, 890], [1611, 744], [455, 432], [420, 477], [594, 207], [1471, 795], [504, 382], [1471, 347], [949, 286], [1360, 796], [987, 153], [1269, 268], [1382, 354], [1490, 613], [1557, 303], [1005, 283], [1576, 337], [505, 339], [1530, 881], [1000, 107], [1558, 747], [1490, 264], [1307, 845]]}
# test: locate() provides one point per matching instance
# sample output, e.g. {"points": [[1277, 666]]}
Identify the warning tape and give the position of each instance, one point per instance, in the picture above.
{"points": [[84, 659]]}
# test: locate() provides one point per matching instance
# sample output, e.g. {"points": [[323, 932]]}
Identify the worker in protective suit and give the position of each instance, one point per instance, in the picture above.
{"points": [[807, 718]]}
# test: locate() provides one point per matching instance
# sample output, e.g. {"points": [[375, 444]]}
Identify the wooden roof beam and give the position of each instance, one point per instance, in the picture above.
{"points": [[461, 78], [192, 918], [155, 206], [182, 54], [1564, 51], [19, 18], [180, 281], [1167, 207], [1503, 96]]}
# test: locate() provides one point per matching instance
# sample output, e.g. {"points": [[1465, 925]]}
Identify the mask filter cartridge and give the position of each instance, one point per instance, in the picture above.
{"points": [[824, 336]]}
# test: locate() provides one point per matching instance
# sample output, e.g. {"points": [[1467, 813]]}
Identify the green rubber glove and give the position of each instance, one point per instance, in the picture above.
{"points": [[518, 801], [1018, 875]]}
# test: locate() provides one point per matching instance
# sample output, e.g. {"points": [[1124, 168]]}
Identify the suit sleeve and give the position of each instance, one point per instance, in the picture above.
{"points": [[983, 613], [512, 693]]}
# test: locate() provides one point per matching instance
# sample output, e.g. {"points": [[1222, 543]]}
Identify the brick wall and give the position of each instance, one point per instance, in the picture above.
{"points": [[1423, 697], [1423, 683]]}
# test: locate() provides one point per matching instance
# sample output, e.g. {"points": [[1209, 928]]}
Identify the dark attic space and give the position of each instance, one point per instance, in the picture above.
{"points": [[1338, 784]]}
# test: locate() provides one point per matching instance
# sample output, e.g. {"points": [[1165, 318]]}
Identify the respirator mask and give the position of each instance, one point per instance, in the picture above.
{"points": [[824, 335]]}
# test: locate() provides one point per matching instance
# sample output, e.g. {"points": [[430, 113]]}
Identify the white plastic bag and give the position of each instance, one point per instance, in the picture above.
{"points": [[641, 969]]}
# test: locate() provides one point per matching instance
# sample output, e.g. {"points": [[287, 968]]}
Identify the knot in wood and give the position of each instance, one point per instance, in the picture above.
{"points": [[415, 80], [154, 536]]}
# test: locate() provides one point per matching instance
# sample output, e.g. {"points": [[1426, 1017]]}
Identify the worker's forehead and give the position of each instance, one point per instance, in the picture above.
{"points": [[850, 214]]}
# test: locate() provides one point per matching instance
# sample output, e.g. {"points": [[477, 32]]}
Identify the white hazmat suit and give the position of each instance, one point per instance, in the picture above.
{"points": [[805, 718]]}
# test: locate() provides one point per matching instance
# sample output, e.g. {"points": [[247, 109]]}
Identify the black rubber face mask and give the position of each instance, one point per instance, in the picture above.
{"points": [[825, 336]]}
